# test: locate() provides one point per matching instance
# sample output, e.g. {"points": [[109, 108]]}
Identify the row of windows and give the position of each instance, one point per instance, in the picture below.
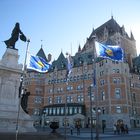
{"points": [[37, 81], [80, 87], [71, 79], [114, 80], [38, 91], [61, 110], [69, 88], [137, 77], [58, 99], [73, 110], [102, 62], [136, 85], [80, 98], [81, 77]]}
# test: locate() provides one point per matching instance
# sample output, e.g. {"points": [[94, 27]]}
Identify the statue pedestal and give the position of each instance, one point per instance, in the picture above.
{"points": [[10, 72]]}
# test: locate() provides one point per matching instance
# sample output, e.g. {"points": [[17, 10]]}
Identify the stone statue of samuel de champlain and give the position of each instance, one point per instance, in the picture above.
{"points": [[16, 33]]}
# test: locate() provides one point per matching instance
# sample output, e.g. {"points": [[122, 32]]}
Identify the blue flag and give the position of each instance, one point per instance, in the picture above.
{"points": [[38, 64], [111, 52], [94, 78]]}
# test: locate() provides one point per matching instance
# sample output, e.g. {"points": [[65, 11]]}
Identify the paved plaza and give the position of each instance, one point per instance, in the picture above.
{"points": [[60, 135]]}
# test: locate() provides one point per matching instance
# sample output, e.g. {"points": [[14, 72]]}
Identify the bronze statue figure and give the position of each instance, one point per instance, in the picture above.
{"points": [[10, 43]]}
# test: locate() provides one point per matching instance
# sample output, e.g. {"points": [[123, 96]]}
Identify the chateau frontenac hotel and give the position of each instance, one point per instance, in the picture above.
{"points": [[116, 98]]}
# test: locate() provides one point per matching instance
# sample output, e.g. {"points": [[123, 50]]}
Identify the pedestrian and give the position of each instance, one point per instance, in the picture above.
{"points": [[103, 128], [78, 129], [118, 128], [71, 130], [126, 129], [122, 128], [114, 128]]}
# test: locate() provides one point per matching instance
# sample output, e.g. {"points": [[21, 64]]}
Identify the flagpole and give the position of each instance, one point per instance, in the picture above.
{"points": [[68, 71], [95, 89], [21, 91], [66, 113], [96, 94], [66, 104]]}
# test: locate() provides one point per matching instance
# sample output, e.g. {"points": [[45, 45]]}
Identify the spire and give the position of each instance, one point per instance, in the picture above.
{"points": [[41, 44], [131, 36], [111, 15], [79, 48]]}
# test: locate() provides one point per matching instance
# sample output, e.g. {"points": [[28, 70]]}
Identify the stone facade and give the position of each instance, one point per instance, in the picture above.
{"points": [[115, 80], [10, 73]]}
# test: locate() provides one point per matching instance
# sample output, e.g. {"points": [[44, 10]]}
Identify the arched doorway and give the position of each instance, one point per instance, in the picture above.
{"points": [[120, 121], [77, 122]]}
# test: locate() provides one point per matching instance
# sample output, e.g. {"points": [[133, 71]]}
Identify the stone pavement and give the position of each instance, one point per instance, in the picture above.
{"points": [[87, 134], [60, 135], [108, 135]]}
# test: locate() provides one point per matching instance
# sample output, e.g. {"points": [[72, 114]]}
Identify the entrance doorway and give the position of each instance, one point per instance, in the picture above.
{"points": [[77, 122]]}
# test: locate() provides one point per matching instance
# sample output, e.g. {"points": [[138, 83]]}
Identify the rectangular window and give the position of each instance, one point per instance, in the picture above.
{"points": [[36, 112], [50, 100], [134, 97], [118, 109], [58, 99], [58, 111], [117, 93], [70, 110], [102, 82], [69, 99], [62, 110], [114, 80], [116, 71], [92, 98], [38, 100], [80, 98], [102, 95], [46, 111], [75, 110], [50, 111], [54, 111], [38, 90]]}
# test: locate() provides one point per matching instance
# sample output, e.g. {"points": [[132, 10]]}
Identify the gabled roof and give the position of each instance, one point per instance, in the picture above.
{"points": [[80, 58], [136, 61], [42, 54], [60, 63], [136, 65], [111, 25]]}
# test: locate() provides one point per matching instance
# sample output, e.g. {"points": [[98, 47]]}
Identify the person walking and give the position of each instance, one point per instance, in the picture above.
{"points": [[78, 129], [118, 128], [126, 129], [114, 128], [71, 130], [103, 128]]}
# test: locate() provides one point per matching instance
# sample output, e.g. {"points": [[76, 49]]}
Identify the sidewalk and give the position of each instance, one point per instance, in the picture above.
{"points": [[85, 133]]}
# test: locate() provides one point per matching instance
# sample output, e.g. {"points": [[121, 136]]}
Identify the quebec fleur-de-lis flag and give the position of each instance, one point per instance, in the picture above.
{"points": [[109, 51]]}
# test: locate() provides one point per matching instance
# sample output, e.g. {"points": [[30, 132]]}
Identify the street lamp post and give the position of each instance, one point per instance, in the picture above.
{"points": [[91, 117], [97, 123]]}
